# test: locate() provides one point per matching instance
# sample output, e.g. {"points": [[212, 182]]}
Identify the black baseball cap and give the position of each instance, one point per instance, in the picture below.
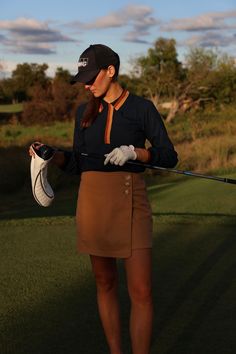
{"points": [[92, 60]]}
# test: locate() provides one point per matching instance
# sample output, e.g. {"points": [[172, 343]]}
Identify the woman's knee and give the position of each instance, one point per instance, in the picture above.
{"points": [[105, 281], [140, 293], [105, 274]]}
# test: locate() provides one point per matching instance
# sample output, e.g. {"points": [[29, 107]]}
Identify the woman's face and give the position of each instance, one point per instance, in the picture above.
{"points": [[100, 85]]}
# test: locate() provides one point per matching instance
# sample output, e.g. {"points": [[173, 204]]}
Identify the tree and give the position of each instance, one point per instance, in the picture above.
{"points": [[62, 74], [211, 77], [1, 69], [223, 83], [200, 64], [27, 75], [7, 91], [159, 71], [133, 84], [57, 102], [160, 74]]}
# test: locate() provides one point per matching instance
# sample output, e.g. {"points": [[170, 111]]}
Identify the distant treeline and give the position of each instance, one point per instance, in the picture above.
{"points": [[206, 79]]}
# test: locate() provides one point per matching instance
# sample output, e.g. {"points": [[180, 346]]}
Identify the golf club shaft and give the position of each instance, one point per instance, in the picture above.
{"points": [[181, 172]]}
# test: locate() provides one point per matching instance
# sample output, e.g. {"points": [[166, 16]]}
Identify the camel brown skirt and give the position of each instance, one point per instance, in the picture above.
{"points": [[113, 214]]}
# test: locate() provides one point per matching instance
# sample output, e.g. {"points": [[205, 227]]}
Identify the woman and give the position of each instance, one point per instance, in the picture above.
{"points": [[113, 213]]}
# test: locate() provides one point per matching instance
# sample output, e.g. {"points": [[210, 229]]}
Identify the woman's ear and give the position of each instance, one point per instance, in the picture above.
{"points": [[111, 71]]}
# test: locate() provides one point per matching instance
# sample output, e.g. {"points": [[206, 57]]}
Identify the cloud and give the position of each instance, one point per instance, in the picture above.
{"points": [[108, 21], [29, 36], [2, 38], [209, 21], [130, 14], [138, 17], [135, 37], [213, 30], [20, 47], [211, 39]]}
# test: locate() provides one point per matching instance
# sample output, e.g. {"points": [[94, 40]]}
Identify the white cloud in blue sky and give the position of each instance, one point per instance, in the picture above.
{"points": [[57, 32]]}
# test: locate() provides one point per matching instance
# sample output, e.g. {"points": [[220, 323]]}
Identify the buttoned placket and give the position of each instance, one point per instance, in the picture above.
{"points": [[127, 184]]}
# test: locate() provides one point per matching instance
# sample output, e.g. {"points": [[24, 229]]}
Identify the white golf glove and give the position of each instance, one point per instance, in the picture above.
{"points": [[119, 156]]}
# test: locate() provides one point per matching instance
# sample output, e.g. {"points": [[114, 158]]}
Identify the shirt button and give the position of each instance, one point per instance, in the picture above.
{"points": [[126, 191], [127, 184], [127, 177]]}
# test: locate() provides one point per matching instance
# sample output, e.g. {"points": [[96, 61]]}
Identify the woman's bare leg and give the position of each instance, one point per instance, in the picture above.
{"points": [[139, 281], [105, 272]]}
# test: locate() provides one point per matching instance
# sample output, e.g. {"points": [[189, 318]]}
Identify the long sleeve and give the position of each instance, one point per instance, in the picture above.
{"points": [[162, 150]]}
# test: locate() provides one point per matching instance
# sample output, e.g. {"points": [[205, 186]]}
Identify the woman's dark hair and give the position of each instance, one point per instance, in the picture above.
{"points": [[92, 108], [117, 68], [91, 111]]}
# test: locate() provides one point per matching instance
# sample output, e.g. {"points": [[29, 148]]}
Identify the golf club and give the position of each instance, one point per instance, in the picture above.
{"points": [[181, 172]]}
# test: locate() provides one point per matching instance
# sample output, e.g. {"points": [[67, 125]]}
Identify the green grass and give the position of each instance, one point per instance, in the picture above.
{"points": [[11, 108], [47, 297], [193, 199], [59, 133]]}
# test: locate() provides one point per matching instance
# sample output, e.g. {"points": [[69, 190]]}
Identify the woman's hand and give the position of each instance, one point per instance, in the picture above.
{"points": [[119, 156], [36, 145], [58, 157]]}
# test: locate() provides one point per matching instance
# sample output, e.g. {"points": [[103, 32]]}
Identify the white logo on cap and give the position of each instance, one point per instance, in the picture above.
{"points": [[83, 62]]}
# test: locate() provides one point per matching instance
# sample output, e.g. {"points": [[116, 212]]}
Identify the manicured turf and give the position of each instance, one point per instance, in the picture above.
{"points": [[48, 298], [11, 108]]}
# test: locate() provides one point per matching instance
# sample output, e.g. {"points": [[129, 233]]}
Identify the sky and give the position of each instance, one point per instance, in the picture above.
{"points": [[56, 32]]}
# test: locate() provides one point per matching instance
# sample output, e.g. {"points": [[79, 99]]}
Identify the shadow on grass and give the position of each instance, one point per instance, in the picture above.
{"points": [[193, 281], [66, 321], [48, 295], [21, 205], [184, 342], [197, 214], [174, 331], [60, 324]]}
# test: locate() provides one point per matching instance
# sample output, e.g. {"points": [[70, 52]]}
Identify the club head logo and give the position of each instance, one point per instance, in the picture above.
{"points": [[83, 62]]}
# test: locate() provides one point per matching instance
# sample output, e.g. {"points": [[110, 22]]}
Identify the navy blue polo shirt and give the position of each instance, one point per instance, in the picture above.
{"points": [[130, 122]]}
